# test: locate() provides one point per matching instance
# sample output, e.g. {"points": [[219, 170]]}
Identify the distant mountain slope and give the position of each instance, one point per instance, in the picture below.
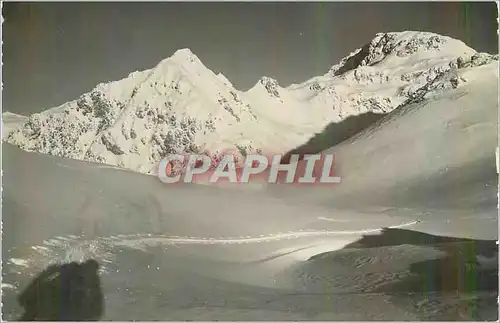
{"points": [[182, 106], [11, 122], [436, 152]]}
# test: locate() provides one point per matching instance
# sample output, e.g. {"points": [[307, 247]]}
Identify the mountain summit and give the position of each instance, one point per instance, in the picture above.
{"points": [[182, 106], [399, 47]]}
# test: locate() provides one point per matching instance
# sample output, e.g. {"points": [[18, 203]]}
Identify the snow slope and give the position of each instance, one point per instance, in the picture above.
{"points": [[11, 122], [434, 156], [188, 251], [182, 106], [192, 252], [376, 246], [243, 254], [441, 140]]}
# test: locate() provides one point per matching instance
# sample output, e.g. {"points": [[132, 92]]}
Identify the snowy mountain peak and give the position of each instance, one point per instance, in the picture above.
{"points": [[394, 47], [183, 52], [268, 80], [180, 105], [184, 55]]}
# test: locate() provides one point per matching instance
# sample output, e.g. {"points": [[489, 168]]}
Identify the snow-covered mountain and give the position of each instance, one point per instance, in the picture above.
{"points": [[418, 191], [182, 106], [443, 145]]}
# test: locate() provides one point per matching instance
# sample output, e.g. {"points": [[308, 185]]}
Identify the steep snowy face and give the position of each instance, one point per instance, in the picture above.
{"points": [[400, 47], [177, 106], [443, 143], [390, 70], [181, 106]]}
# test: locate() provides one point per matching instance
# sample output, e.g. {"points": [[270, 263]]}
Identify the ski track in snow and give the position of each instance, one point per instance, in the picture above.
{"points": [[268, 238], [71, 248], [74, 248]]}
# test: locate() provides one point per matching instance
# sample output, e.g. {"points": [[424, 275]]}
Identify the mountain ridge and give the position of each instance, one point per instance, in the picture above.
{"points": [[182, 106]]}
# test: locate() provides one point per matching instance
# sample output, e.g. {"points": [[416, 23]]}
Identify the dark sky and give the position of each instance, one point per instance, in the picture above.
{"points": [[54, 52]]}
